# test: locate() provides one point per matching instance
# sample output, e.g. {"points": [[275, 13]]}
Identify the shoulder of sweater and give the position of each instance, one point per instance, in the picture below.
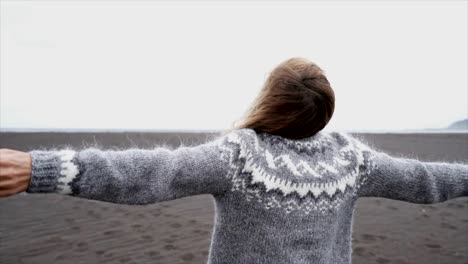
{"points": [[249, 139]]}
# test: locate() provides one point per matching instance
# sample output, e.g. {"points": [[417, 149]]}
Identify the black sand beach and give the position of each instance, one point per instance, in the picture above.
{"points": [[50, 228]]}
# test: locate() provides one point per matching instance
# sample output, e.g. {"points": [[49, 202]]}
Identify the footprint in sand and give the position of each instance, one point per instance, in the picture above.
{"points": [[382, 260], [94, 214], [187, 257], [152, 253], [55, 239], [168, 240], [142, 216], [112, 232], [204, 232], [176, 225], [369, 237], [136, 226], [450, 253], [444, 214], [448, 226], [147, 237], [125, 260], [115, 223], [391, 207], [432, 245], [82, 246], [201, 232], [362, 252], [455, 205], [170, 247], [108, 255], [399, 261]]}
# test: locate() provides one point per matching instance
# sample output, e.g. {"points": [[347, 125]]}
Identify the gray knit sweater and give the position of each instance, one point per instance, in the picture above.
{"points": [[278, 200]]}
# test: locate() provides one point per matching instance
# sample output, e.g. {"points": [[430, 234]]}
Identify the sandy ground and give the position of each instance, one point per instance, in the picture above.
{"points": [[50, 228]]}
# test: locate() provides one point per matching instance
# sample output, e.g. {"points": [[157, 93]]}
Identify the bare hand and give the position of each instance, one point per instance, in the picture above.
{"points": [[15, 171]]}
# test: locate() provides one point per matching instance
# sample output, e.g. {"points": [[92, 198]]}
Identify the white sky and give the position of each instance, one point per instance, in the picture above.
{"points": [[198, 65]]}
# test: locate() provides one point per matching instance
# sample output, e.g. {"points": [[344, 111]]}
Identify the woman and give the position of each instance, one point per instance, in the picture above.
{"points": [[285, 190]]}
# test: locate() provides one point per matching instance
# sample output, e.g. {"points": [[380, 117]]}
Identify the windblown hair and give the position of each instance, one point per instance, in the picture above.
{"points": [[295, 102]]}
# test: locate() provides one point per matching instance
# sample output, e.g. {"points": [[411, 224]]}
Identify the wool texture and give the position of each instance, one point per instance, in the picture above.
{"points": [[277, 200]]}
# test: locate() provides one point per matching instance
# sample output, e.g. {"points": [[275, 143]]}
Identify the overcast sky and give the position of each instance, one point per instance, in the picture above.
{"points": [[198, 65]]}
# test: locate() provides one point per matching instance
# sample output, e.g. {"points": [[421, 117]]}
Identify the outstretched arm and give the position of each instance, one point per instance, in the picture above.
{"points": [[410, 180], [132, 176]]}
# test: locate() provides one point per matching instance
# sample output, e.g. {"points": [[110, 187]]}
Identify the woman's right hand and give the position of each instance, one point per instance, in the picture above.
{"points": [[15, 171]]}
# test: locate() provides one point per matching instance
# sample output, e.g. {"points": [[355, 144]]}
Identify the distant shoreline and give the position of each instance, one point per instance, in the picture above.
{"points": [[88, 130]]}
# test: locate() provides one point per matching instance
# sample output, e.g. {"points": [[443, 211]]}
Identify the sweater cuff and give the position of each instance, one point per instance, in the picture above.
{"points": [[52, 171]]}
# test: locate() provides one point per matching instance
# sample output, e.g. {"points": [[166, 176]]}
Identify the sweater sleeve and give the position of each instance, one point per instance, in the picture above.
{"points": [[132, 176], [410, 180]]}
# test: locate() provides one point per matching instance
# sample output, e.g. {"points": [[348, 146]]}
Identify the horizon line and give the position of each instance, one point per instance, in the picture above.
{"points": [[152, 130]]}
